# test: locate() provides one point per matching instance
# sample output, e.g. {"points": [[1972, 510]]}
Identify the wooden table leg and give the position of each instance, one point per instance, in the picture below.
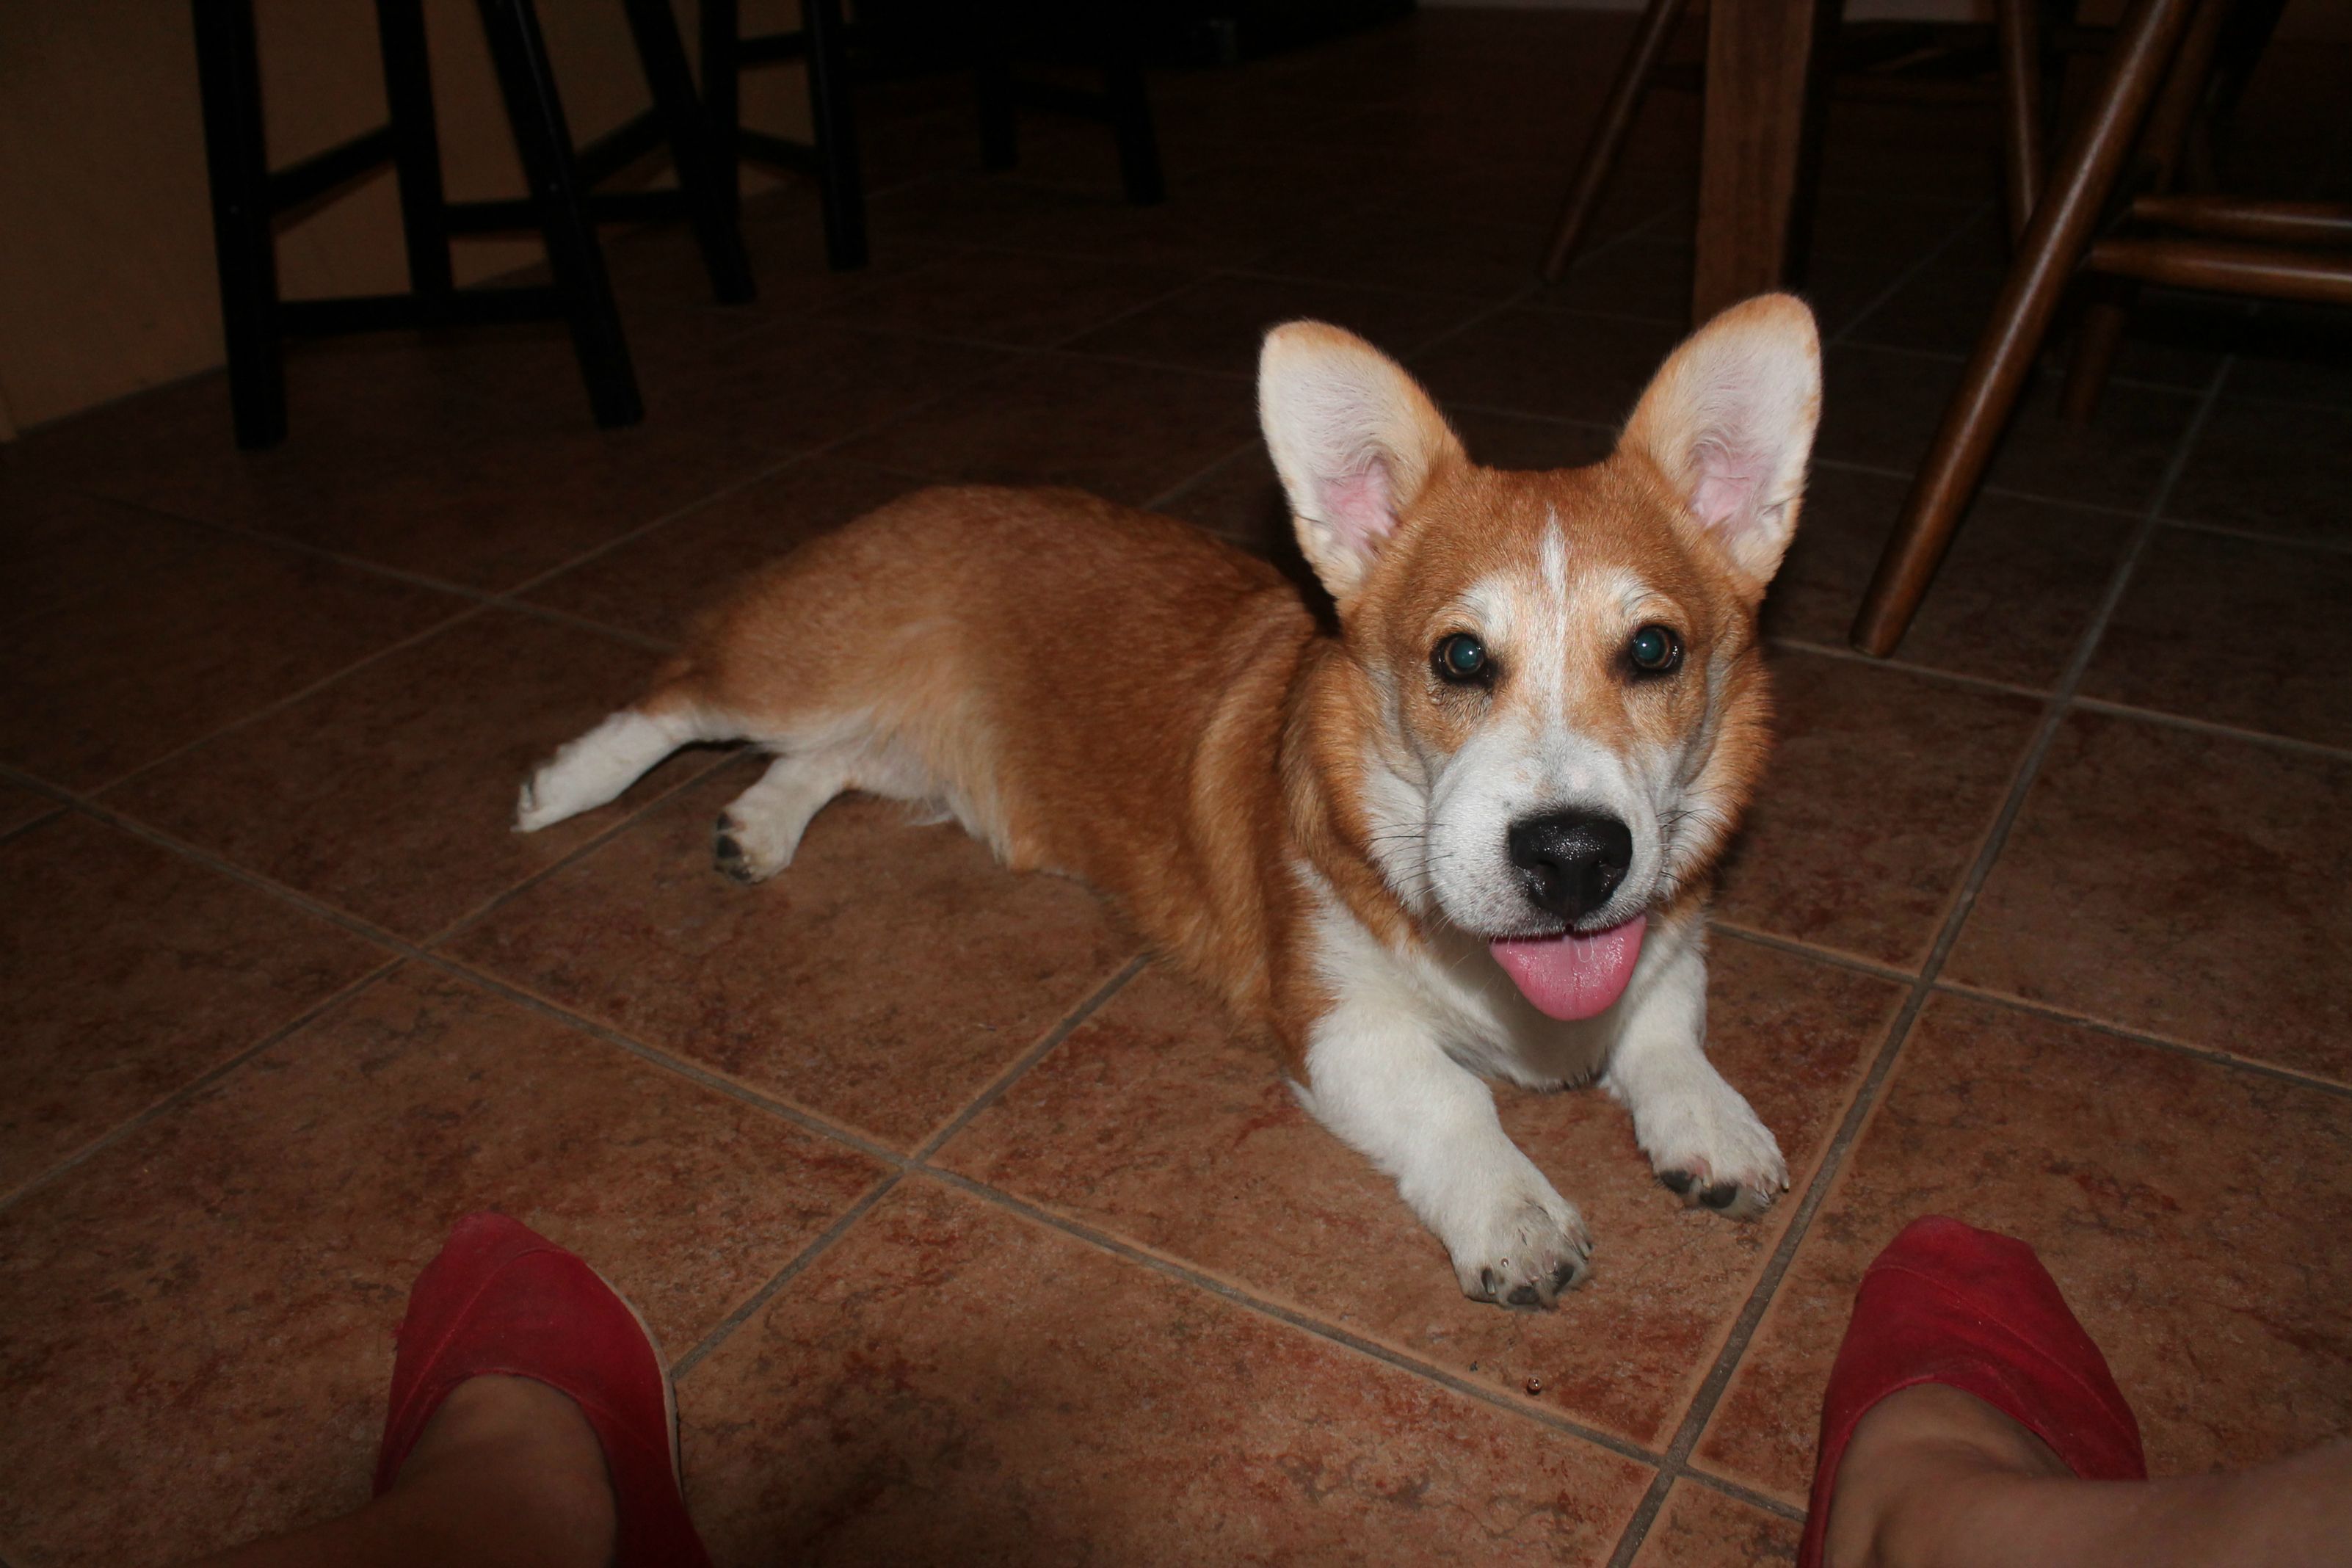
{"points": [[1761, 55]]}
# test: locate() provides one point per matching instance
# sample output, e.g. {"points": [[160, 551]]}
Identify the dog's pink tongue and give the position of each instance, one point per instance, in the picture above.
{"points": [[1573, 976]]}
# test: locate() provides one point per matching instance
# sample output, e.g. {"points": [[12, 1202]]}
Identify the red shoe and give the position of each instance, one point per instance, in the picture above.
{"points": [[1949, 1303], [502, 1299]]}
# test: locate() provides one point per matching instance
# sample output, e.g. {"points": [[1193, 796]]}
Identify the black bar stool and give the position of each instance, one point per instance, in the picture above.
{"points": [[248, 197], [989, 34], [830, 155]]}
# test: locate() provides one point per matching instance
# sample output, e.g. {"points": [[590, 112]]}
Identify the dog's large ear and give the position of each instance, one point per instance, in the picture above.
{"points": [[1729, 419], [1355, 439]]}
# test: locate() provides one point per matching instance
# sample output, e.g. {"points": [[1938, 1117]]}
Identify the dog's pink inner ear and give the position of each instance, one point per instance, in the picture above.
{"points": [[1359, 508], [1726, 483]]}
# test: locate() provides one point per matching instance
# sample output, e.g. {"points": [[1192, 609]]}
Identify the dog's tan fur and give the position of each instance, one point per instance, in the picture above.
{"points": [[1115, 695]]}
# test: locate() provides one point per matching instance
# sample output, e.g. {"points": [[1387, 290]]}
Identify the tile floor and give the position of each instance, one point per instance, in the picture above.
{"points": [[974, 1236]]}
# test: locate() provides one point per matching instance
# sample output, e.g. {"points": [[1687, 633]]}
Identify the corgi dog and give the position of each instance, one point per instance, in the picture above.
{"points": [[1465, 835]]}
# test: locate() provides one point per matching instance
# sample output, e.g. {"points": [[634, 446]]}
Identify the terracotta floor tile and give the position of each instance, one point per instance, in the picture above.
{"points": [[2302, 355], [1549, 362], [494, 513], [391, 793], [952, 1384], [58, 546], [1157, 1121], [1220, 218], [202, 1315], [2009, 602], [1240, 498], [883, 979], [21, 807], [1882, 407], [2273, 469], [2237, 631], [1702, 1528], [2169, 1196], [1879, 791], [1406, 250], [655, 584], [133, 970], [801, 385], [1219, 324], [1640, 276], [1015, 298], [1519, 441], [2181, 883], [104, 685], [1123, 431]]}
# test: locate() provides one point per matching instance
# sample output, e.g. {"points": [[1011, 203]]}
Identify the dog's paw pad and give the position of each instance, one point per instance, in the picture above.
{"points": [[1733, 1199], [1547, 1257], [727, 853]]}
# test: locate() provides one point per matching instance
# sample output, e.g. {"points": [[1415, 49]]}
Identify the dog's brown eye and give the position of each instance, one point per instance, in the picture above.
{"points": [[1656, 650], [1462, 659]]}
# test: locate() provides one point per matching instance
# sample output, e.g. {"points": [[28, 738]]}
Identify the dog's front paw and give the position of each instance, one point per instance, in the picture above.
{"points": [[1524, 1252], [1709, 1149]]}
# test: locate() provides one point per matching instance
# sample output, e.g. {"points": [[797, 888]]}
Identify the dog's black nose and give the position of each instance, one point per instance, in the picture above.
{"points": [[1570, 863]]}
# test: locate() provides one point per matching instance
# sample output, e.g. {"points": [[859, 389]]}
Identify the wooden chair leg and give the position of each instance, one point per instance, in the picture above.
{"points": [[2156, 166], [2022, 152], [1635, 74], [228, 70], [2054, 243], [518, 58], [841, 181], [653, 26]]}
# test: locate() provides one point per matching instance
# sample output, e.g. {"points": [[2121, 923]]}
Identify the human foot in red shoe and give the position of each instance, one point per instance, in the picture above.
{"points": [[504, 1324], [1962, 1368]]}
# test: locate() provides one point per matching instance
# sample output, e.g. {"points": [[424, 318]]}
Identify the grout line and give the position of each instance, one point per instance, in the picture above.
{"points": [[799, 1116], [782, 1277], [1761, 1501], [281, 704], [1837, 958], [30, 823], [1924, 671], [1306, 1322], [2163, 720], [717, 759], [1934, 253], [2259, 536], [2108, 1027], [1032, 1055], [197, 1085], [919, 1162], [1175, 491], [1703, 1404]]}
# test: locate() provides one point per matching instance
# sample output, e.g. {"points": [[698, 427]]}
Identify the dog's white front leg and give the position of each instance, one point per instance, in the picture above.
{"points": [[1385, 1085], [1702, 1137]]}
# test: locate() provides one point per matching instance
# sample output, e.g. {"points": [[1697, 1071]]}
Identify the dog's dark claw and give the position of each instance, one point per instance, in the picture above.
{"points": [[1487, 1282], [1676, 1182], [729, 857], [1721, 1195]]}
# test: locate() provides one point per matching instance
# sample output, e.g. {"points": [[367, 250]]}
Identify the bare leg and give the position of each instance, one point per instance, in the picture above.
{"points": [[1936, 1478], [507, 1473]]}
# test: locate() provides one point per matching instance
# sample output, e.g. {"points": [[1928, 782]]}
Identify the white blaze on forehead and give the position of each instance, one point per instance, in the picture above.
{"points": [[1555, 561]]}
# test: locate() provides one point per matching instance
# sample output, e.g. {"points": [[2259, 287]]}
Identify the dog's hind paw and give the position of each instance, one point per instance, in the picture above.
{"points": [[736, 849]]}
